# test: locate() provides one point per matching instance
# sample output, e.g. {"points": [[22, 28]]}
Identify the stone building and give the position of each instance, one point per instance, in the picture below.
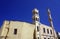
{"points": [[24, 30]]}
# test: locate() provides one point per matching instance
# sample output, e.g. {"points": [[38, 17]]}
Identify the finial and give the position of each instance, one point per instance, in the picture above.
{"points": [[49, 10]]}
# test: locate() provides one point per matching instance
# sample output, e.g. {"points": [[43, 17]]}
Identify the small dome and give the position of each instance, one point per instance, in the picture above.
{"points": [[35, 11]]}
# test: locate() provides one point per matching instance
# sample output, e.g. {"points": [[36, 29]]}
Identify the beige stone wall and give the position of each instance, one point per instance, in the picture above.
{"points": [[4, 29], [24, 30], [42, 34], [46, 35]]}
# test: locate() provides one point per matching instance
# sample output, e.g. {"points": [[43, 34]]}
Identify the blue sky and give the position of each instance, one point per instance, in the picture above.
{"points": [[21, 10]]}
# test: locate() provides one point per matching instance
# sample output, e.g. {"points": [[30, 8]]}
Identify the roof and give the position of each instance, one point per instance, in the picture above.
{"points": [[26, 22]]}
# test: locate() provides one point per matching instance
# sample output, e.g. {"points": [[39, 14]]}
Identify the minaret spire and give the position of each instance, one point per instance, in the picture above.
{"points": [[51, 22], [36, 23], [50, 18]]}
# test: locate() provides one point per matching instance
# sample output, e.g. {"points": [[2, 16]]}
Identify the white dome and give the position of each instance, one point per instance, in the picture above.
{"points": [[36, 10]]}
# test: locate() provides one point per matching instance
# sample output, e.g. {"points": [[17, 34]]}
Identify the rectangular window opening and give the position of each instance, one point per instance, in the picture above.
{"points": [[15, 31], [48, 31], [51, 31], [44, 30]]}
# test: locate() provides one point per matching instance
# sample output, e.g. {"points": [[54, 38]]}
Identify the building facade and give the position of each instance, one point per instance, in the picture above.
{"points": [[24, 30]]}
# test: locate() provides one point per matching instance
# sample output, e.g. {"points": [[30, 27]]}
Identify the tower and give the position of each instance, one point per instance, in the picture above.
{"points": [[50, 18], [51, 22], [36, 23]]}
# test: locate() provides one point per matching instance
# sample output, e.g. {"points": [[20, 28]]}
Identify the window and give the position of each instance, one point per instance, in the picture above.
{"points": [[37, 19], [48, 31], [37, 28], [15, 31], [44, 38], [44, 30], [51, 31]]}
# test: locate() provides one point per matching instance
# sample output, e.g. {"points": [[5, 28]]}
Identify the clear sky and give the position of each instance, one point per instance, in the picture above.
{"points": [[21, 10]]}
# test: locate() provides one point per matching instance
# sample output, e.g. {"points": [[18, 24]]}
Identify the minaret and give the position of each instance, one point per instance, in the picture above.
{"points": [[51, 22], [36, 23], [50, 18]]}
